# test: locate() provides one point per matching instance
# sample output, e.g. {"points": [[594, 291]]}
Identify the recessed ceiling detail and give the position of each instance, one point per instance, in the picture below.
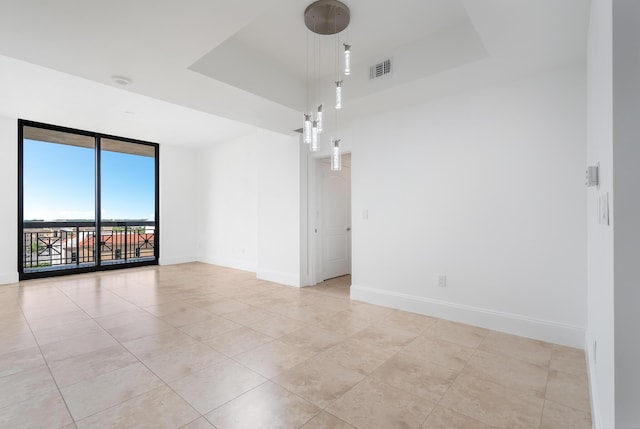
{"points": [[268, 57], [244, 60]]}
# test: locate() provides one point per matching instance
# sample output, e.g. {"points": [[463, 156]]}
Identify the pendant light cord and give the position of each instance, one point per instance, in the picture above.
{"points": [[306, 83]]}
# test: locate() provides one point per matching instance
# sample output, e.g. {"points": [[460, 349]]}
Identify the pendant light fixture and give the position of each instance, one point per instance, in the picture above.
{"points": [[338, 94], [306, 130], [325, 18], [319, 118], [314, 137], [347, 59], [336, 155]]}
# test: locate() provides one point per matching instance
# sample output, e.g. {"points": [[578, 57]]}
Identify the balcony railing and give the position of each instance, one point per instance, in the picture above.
{"points": [[64, 245]]}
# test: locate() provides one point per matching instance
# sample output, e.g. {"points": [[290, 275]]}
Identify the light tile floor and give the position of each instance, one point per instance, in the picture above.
{"points": [[200, 346]]}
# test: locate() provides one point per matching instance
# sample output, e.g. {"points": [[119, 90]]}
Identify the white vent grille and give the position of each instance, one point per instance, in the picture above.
{"points": [[380, 69]]}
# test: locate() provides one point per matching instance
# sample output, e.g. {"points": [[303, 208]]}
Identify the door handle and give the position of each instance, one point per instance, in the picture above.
{"points": [[348, 229]]}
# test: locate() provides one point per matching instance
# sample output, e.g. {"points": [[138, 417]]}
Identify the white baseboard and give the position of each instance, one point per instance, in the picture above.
{"points": [[279, 277], [553, 332], [251, 266], [174, 260], [237, 264], [9, 278]]}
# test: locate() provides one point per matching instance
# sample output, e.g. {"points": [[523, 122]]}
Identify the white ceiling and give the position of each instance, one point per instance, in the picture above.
{"points": [[204, 71], [276, 57]]}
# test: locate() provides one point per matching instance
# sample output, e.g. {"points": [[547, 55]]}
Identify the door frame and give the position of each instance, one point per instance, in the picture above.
{"points": [[314, 217]]}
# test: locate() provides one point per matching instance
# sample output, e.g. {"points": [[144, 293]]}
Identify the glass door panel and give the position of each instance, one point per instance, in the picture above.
{"points": [[128, 202], [58, 210]]}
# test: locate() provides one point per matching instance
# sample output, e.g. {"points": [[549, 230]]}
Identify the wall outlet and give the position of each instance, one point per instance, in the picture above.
{"points": [[442, 281]]}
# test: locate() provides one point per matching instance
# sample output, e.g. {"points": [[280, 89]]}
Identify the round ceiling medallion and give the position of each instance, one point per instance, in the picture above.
{"points": [[327, 16]]}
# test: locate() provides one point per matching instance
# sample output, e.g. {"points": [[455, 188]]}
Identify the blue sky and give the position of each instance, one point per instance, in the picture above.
{"points": [[59, 183]]}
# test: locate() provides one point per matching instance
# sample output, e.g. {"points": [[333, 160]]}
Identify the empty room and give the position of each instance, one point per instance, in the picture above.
{"points": [[319, 214]]}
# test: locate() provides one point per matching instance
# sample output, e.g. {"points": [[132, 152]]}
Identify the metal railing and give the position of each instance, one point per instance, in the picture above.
{"points": [[67, 244]]}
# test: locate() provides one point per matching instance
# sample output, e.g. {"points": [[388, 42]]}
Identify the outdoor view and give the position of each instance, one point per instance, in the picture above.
{"points": [[59, 201]]}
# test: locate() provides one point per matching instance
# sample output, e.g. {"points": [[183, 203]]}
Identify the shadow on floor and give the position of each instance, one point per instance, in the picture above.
{"points": [[335, 286]]}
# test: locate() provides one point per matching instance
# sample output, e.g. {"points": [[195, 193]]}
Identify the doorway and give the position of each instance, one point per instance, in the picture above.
{"points": [[333, 220]]}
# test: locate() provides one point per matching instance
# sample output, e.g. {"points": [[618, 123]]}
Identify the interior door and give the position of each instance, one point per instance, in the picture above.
{"points": [[336, 221]]}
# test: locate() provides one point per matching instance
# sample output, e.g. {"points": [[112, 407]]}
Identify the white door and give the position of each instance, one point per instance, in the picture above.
{"points": [[336, 220]]}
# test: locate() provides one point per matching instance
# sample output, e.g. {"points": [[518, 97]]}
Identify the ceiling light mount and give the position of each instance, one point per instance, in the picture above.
{"points": [[327, 17], [121, 80]]}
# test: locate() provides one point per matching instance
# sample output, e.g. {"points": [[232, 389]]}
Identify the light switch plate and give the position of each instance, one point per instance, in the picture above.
{"points": [[593, 175]]}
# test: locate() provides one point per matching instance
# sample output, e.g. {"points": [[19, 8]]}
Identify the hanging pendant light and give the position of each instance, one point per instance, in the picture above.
{"points": [[314, 137], [336, 156], [347, 59], [338, 94], [319, 118], [324, 18], [306, 130]]}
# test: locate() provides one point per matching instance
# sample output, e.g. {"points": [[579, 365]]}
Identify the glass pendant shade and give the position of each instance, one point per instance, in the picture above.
{"points": [[347, 59], [325, 18], [336, 156], [314, 137], [319, 118], [306, 130]]}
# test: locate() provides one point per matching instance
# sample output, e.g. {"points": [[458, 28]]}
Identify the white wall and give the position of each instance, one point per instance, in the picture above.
{"points": [[486, 188], [279, 209], [613, 129], [178, 205], [600, 237], [250, 205], [228, 194], [626, 234], [9, 199]]}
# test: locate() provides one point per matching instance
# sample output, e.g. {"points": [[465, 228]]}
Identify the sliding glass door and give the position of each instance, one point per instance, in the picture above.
{"points": [[127, 202], [66, 178]]}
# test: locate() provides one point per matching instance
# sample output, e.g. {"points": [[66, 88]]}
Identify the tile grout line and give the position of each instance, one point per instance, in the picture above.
{"points": [[109, 372], [168, 385], [546, 386], [55, 382], [230, 400], [272, 379], [454, 381]]}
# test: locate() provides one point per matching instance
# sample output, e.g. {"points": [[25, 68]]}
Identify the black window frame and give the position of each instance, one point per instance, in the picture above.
{"points": [[98, 217]]}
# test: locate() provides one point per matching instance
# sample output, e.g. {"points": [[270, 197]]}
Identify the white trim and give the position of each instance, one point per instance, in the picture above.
{"points": [[279, 277], [177, 260], [238, 264], [596, 417], [9, 278], [553, 332]]}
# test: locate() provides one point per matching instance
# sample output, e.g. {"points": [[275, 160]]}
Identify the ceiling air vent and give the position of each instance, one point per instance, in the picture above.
{"points": [[380, 69]]}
